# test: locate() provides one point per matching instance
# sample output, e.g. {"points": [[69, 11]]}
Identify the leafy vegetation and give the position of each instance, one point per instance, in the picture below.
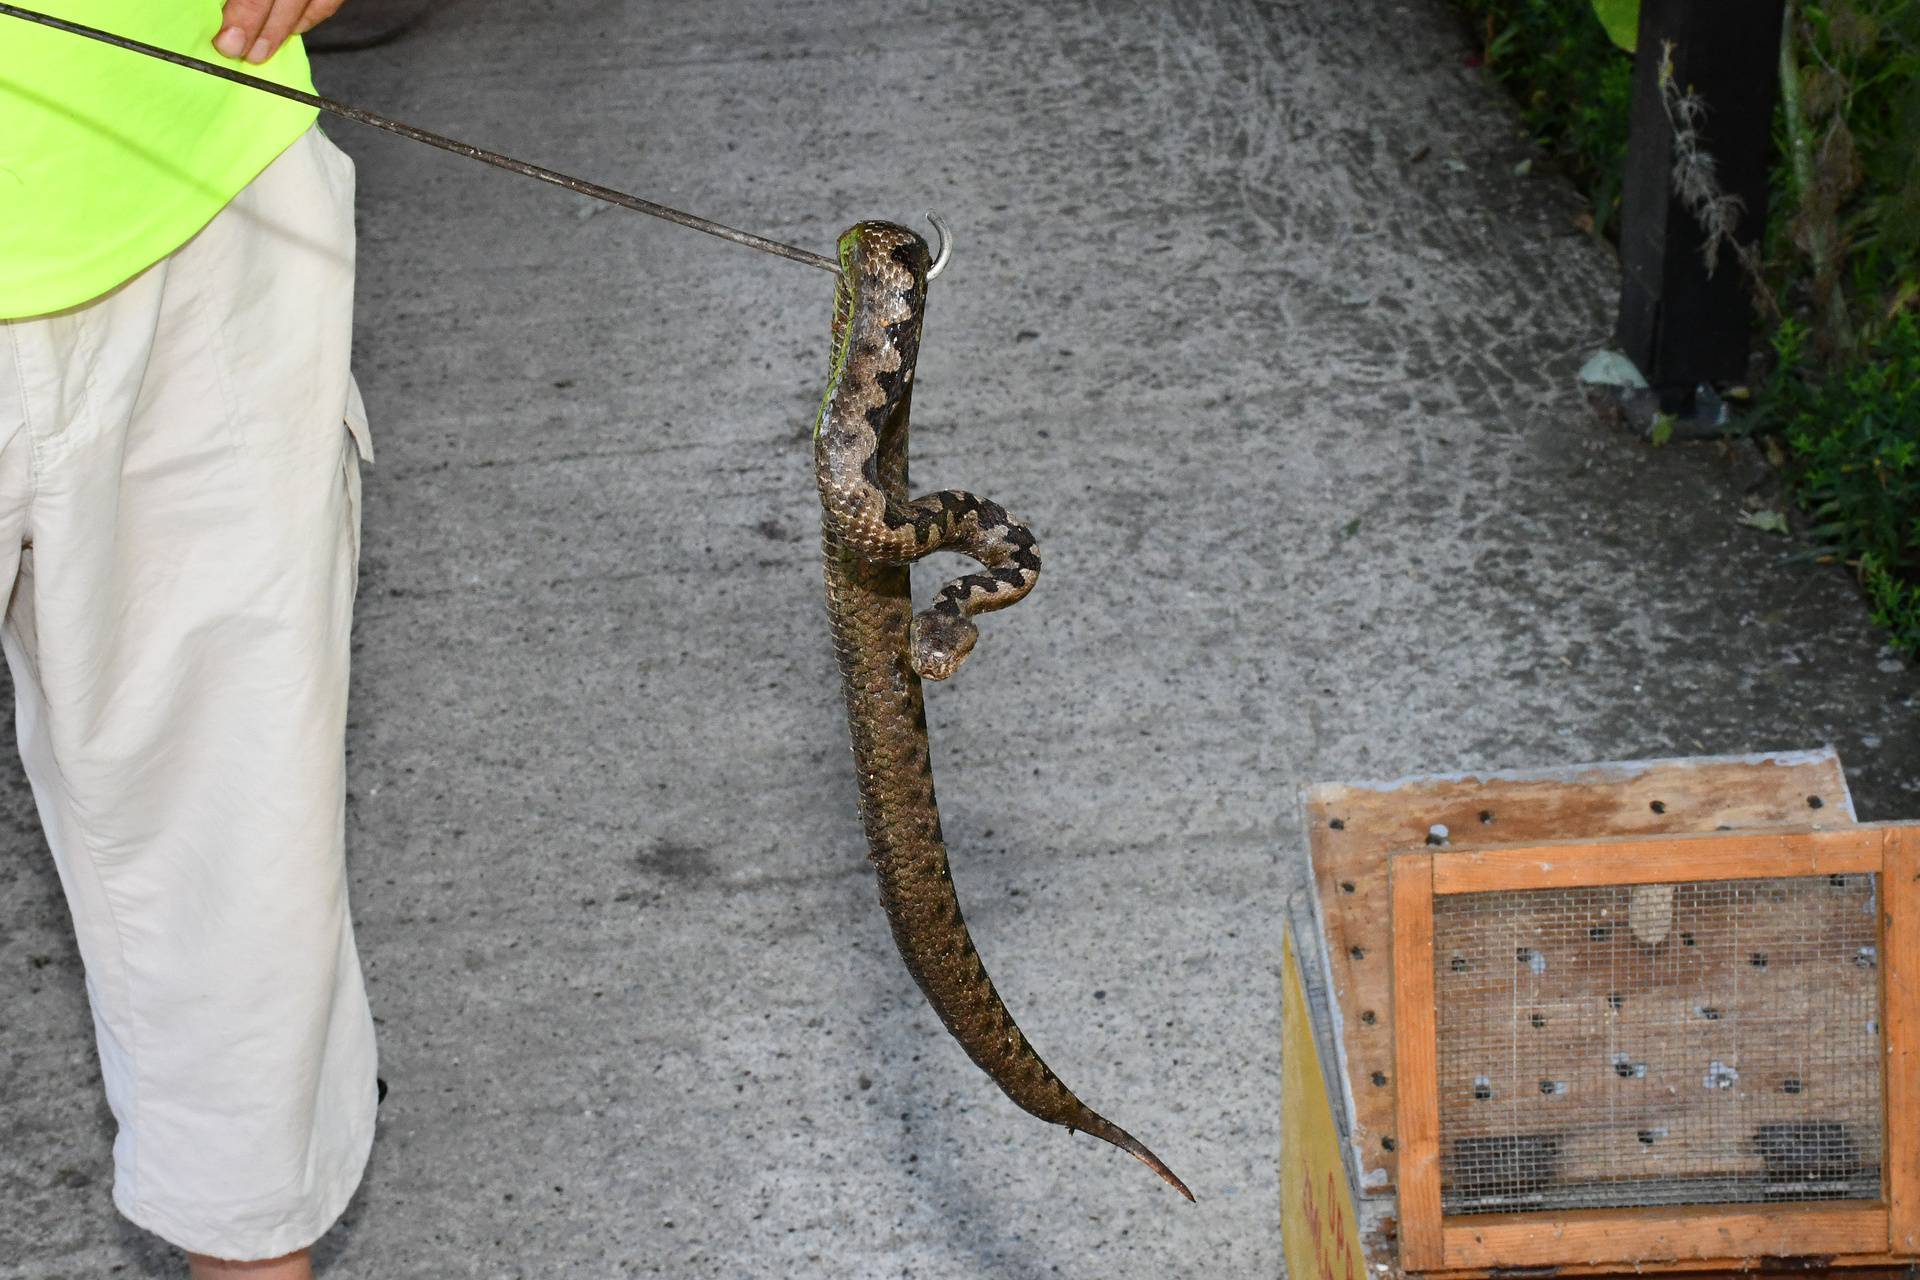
{"points": [[1839, 277], [1572, 85], [1844, 267], [1848, 251], [1852, 448]]}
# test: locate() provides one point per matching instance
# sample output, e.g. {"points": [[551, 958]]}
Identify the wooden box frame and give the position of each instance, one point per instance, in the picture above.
{"points": [[1850, 1230]]}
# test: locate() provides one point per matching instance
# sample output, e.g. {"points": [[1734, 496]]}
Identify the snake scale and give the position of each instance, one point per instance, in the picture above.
{"points": [[872, 533]]}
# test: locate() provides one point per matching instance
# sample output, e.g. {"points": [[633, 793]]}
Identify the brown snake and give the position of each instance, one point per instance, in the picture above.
{"points": [[872, 534]]}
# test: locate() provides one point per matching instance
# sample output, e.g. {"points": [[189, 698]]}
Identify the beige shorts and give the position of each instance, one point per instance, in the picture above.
{"points": [[179, 529]]}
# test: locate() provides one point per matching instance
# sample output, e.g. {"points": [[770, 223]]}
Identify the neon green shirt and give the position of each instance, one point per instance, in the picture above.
{"points": [[110, 160]]}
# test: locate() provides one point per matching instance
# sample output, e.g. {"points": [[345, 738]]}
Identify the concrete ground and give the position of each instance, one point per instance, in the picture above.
{"points": [[1252, 318]]}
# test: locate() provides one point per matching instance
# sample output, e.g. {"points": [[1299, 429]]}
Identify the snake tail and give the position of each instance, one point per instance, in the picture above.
{"points": [[871, 534]]}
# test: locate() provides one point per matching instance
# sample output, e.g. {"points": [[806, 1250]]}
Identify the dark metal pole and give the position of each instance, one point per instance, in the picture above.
{"points": [[1681, 324]]}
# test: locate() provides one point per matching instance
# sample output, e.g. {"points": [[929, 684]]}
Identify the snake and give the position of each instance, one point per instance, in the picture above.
{"points": [[871, 535]]}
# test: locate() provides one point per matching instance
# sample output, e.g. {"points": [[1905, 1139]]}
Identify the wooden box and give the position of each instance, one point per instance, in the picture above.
{"points": [[1622, 1018]]}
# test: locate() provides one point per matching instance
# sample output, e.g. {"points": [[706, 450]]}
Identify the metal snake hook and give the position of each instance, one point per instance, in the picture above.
{"points": [[946, 244], [579, 186]]}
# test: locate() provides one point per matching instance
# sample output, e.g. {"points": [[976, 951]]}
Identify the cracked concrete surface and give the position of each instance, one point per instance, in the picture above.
{"points": [[1249, 316]]}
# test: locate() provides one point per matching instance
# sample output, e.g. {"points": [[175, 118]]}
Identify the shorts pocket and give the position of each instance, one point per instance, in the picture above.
{"points": [[357, 421], [350, 460]]}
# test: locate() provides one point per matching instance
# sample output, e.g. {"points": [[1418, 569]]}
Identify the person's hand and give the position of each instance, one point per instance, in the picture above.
{"points": [[253, 29]]}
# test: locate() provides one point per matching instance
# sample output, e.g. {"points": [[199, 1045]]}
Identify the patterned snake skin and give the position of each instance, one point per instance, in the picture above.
{"points": [[872, 534]]}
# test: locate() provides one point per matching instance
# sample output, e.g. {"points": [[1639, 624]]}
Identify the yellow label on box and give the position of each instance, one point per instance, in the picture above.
{"points": [[1318, 1230]]}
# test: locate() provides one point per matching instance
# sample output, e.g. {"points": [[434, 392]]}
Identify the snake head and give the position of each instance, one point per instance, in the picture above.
{"points": [[940, 641], [886, 257]]}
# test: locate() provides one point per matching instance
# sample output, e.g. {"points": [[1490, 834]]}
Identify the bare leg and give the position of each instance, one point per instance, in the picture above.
{"points": [[292, 1267]]}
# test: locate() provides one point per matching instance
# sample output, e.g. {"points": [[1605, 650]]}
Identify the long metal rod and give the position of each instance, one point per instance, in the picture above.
{"points": [[578, 185]]}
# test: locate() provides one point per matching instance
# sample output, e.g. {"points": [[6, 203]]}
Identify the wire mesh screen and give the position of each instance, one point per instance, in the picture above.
{"points": [[1706, 1043]]}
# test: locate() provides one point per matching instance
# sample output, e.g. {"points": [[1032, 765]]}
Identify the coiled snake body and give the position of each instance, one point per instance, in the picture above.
{"points": [[872, 534]]}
